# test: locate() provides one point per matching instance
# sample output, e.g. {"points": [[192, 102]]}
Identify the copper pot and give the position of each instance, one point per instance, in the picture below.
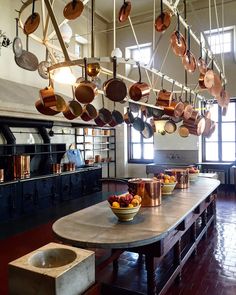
{"points": [[178, 43], [196, 128], [175, 109], [147, 188], [164, 98], [124, 11], [73, 110], [181, 176], [189, 61], [163, 21], [206, 80], [48, 96], [89, 112], [139, 90], [21, 166], [56, 168]]}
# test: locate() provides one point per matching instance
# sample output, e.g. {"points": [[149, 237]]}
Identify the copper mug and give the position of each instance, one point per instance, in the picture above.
{"points": [[1, 175]]}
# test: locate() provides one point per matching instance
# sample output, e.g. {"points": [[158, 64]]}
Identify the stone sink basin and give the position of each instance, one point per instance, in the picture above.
{"points": [[50, 258]]}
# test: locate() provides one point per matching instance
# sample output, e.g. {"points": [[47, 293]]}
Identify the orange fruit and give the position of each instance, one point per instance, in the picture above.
{"points": [[138, 198], [130, 206], [135, 202], [166, 181], [115, 205]]}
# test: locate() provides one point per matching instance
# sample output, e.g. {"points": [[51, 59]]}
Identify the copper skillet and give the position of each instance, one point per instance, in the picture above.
{"points": [[177, 41], [73, 9], [188, 59], [32, 21], [124, 11], [163, 21]]}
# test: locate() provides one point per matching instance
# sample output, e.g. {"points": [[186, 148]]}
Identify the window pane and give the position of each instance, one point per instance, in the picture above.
{"points": [[228, 151], [142, 55], [220, 42], [135, 135], [214, 136], [136, 151], [230, 115], [228, 131], [148, 151], [214, 112], [212, 151]]}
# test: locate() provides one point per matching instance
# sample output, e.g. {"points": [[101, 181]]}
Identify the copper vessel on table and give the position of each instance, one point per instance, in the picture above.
{"points": [[181, 176], [1, 175], [149, 189]]}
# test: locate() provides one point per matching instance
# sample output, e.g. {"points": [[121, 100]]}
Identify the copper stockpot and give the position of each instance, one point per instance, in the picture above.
{"points": [[149, 189], [164, 98], [56, 168], [197, 127], [181, 176], [21, 166]]}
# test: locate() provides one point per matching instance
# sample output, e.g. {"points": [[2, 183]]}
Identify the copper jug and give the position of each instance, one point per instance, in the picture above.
{"points": [[181, 176]]}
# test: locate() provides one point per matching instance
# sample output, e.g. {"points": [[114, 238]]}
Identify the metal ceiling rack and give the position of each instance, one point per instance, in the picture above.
{"points": [[173, 8]]}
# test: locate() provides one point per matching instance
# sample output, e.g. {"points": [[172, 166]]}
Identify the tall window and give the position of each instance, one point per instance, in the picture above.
{"points": [[140, 149], [221, 146], [141, 53], [220, 40]]}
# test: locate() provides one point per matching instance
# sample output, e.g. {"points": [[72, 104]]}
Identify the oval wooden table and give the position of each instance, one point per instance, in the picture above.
{"points": [[154, 230]]}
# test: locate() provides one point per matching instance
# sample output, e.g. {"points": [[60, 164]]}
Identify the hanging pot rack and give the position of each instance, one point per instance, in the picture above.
{"points": [[79, 62]]}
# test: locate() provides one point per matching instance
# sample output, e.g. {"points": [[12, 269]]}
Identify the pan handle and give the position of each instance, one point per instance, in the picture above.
{"points": [[17, 24], [114, 67], [33, 8], [139, 72], [85, 69]]}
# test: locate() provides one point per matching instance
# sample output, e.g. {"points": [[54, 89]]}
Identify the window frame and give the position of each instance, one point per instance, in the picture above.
{"points": [[215, 32], [141, 142], [219, 138]]}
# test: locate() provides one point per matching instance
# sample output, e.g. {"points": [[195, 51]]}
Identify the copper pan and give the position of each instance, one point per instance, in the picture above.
{"points": [[170, 127], [60, 104], [183, 131], [201, 63], [73, 9], [86, 90], [73, 110], [45, 110], [223, 99], [164, 97], [48, 96], [124, 11], [206, 80], [175, 109], [188, 60], [217, 87], [177, 41], [32, 21], [89, 112], [140, 90], [104, 116], [197, 128], [128, 117], [188, 108]]}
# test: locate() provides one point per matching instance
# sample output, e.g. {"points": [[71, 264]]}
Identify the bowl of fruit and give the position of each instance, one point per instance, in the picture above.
{"points": [[193, 173], [168, 183], [125, 206]]}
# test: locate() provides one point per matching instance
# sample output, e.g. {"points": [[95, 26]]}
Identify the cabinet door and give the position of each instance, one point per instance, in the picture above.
{"points": [[92, 181], [29, 200], [8, 205], [76, 185], [65, 187], [46, 191]]}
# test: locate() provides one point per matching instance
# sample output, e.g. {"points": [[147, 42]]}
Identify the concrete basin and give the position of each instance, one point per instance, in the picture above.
{"points": [[51, 258]]}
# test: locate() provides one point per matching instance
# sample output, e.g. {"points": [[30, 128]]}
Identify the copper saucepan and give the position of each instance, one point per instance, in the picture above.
{"points": [[48, 96], [188, 60], [115, 89], [177, 41], [86, 90], [217, 86], [32, 21], [163, 21], [164, 97], [73, 110], [45, 110], [104, 116], [89, 112], [128, 117], [175, 109], [73, 9], [124, 11], [139, 90], [117, 118], [201, 63]]}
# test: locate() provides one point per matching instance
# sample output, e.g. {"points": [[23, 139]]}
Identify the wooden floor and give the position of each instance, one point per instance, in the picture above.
{"points": [[212, 272]]}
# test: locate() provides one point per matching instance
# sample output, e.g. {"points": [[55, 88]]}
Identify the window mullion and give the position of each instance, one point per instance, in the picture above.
{"points": [[219, 133]]}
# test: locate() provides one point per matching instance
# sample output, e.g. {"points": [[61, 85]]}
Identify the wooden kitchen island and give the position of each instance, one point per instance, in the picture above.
{"points": [[167, 234]]}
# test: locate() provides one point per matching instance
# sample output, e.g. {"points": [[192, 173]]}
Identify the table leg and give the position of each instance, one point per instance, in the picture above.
{"points": [[151, 275]]}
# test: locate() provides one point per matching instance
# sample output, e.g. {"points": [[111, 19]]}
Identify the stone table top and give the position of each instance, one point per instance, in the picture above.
{"points": [[97, 226]]}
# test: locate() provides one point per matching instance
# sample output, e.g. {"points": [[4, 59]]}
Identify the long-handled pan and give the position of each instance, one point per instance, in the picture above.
{"points": [[27, 60], [117, 117], [73, 9], [162, 22], [201, 63], [188, 60], [43, 67], [17, 44], [177, 41], [115, 89], [124, 11], [32, 21]]}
